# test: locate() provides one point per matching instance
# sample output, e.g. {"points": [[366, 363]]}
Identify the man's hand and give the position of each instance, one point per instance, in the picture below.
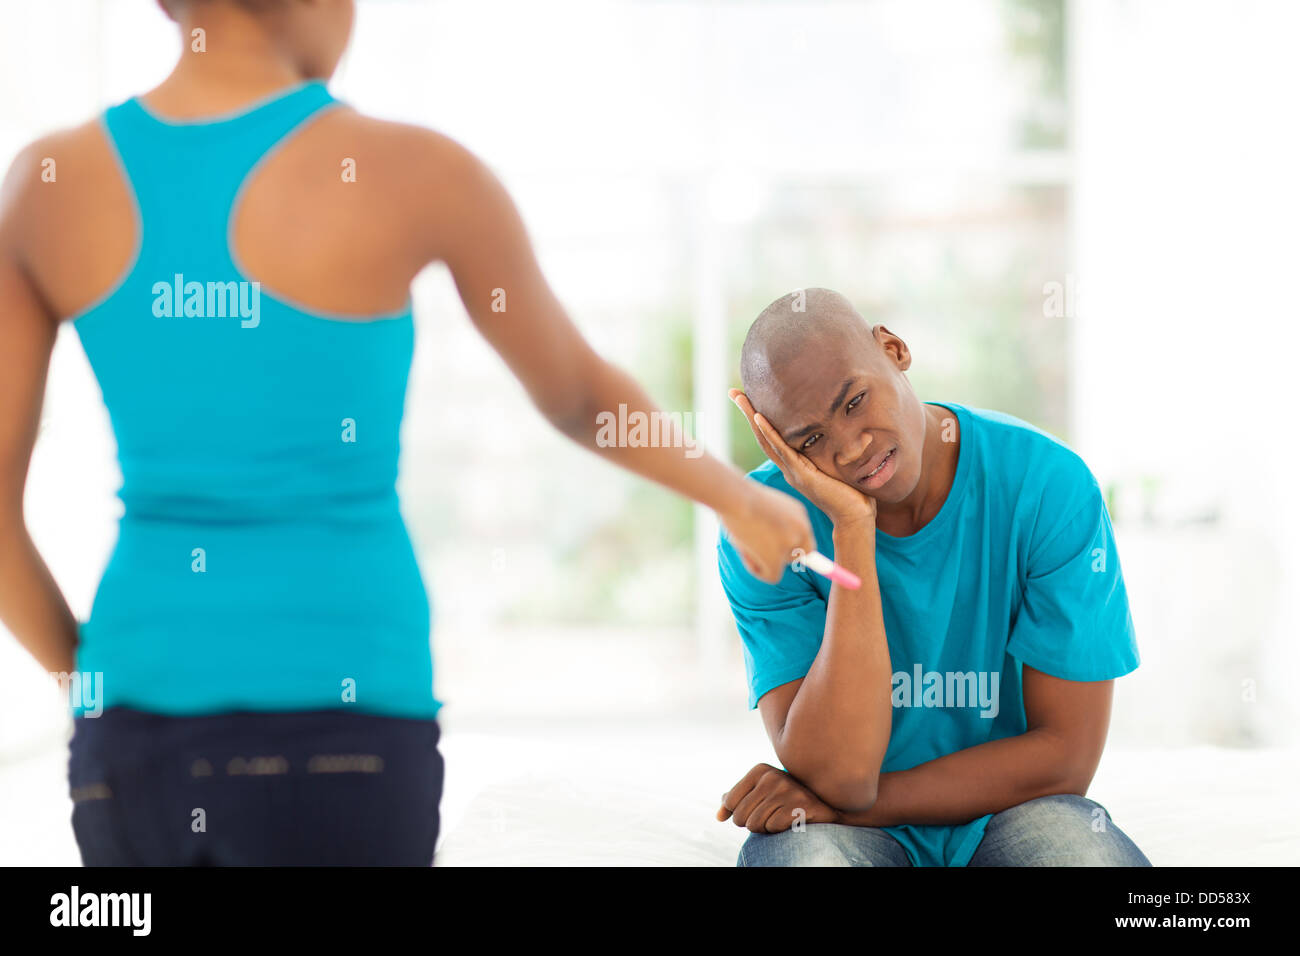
{"points": [[845, 505], [768, 800]]}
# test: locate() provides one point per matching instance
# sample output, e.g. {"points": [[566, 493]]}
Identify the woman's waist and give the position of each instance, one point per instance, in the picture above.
{"points": [[156, 501], [273, 669], [255, 634], [372, 523], [254, 570]]}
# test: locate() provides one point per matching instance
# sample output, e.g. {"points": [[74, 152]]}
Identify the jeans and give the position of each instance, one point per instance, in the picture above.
{"points": [[312, 788], [1056, 830]]}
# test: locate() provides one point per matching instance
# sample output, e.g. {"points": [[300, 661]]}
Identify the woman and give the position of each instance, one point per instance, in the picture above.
{"points": [[235, 249]]}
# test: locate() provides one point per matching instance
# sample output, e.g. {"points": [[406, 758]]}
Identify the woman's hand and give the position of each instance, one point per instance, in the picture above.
{"points": [[845, 505], [768, 529]]}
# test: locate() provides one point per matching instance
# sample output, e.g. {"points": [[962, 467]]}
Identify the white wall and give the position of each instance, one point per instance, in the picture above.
{"points": [[1184, 244], [1187, 175]]}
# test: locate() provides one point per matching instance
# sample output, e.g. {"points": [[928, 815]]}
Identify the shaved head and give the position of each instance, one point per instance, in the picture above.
{"points": [[833, 389], [790, 325]]}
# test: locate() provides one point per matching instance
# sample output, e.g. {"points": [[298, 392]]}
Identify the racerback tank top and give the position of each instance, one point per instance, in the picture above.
{"points": [[262, 562]]}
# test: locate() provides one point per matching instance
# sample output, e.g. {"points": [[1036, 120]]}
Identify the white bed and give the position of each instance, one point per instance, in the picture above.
{"points": [[631, 795], [648, 799]]}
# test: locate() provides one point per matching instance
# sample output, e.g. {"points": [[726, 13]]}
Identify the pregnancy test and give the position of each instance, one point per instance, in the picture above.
{"points": [[827, 568]]}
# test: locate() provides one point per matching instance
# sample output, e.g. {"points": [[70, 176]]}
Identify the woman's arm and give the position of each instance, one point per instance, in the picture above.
{"points": [[31, 605], [475, 228]]}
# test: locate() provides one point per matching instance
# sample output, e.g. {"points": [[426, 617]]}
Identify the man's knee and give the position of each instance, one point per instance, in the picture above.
{"points": [[817, 844], [1064, 829]]}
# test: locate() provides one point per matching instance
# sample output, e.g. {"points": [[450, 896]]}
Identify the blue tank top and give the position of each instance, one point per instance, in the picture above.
{"points": [[262, 562]]}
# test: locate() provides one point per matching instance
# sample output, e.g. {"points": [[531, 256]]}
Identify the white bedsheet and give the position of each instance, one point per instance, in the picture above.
{"points": [[609, 795], [649, 799]]}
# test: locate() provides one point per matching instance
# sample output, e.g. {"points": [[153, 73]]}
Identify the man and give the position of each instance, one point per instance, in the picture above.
{"points": [[951, 711]]}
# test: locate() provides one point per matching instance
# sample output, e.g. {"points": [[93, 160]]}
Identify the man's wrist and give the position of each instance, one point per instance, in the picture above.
{"points": [[854, 531]]}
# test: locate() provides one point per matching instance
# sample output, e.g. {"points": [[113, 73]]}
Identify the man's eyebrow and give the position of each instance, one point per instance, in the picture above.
{"points": [[839, 400]]}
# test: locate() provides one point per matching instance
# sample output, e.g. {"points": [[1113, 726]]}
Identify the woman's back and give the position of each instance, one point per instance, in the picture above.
{"points": [[235, 251], [262, 562]]}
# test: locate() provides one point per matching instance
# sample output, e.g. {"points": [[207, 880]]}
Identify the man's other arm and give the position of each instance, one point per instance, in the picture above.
{"points": [[1059, 753]]}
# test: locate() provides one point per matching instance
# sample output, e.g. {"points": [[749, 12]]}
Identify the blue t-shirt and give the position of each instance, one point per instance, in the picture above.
{"points": [[1018, 567]]}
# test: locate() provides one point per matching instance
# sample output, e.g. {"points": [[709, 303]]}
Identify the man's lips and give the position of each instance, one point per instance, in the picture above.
{"points": [[873, 463]]}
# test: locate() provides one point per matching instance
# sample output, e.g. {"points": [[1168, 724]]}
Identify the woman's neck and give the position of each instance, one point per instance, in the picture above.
{"points": [[228, 58]]}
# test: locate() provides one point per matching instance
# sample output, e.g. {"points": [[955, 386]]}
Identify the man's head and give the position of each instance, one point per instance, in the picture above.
{"points": [[833, 387], [311, 34]]}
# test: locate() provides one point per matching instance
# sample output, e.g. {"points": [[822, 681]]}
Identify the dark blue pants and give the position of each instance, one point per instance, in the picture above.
{"points": [[313, 788]]}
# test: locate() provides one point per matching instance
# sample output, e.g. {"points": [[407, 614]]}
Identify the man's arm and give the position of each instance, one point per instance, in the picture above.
{"points": [[831, 727], [1059, 753], [1075, 620], [1067, 723]]}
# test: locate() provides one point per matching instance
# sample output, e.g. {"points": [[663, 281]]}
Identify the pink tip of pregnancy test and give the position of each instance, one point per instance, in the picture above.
{"points": [[845, 578]]}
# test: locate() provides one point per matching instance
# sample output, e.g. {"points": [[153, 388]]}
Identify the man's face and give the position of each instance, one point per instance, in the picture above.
{"points": [[843, 402]]}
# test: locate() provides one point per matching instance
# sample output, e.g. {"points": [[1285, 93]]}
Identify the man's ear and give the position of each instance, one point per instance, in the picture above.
{"points": [[895, 349]]}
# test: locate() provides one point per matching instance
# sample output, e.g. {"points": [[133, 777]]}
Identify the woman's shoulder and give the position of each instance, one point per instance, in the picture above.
{"points": [[72, 150], [405, 149], [54, 184]]}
